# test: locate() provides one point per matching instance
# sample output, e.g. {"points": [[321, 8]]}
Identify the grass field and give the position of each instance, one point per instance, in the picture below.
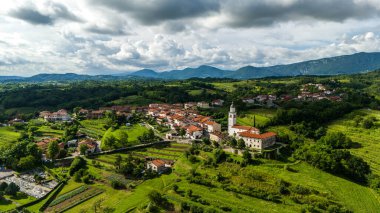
{"points": [[262, 117], [8, 135], [94, 127], [12, 202], [369, 139]]}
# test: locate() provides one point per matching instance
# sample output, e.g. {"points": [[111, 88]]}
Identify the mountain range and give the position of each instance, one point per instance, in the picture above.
{"points": [[345, 64]]}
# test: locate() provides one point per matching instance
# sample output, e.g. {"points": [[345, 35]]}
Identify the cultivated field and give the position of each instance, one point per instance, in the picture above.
{"points": [[368, 139]]}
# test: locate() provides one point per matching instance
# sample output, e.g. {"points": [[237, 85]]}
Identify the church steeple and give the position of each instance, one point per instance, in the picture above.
{"points": [[231, 117]]}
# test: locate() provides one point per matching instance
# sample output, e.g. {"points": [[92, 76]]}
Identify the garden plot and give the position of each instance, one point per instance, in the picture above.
{"points": [[73, 198], [29, 185]]}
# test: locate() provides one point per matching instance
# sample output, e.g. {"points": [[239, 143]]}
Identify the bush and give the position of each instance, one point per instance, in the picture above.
{"points": [[117, 184], [77, 164]]}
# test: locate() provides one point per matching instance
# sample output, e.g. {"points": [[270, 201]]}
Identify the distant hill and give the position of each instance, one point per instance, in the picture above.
{"points": [[346, 64], [7, 78]]}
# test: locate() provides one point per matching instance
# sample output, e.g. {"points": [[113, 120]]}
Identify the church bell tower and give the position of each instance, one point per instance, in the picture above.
{"points": [[231, 117]]}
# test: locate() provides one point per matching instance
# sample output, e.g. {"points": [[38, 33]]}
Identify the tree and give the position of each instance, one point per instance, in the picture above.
{"points": [[240, 144], [26, 163], [156, 198], [336, 140], [247, 156], [3, 186], [77, 164], [182, 132], [53, 149], [233, 142], [219, 155], [118, 162], [83, 149], [12, 189], [123, 138], [367, 123]]}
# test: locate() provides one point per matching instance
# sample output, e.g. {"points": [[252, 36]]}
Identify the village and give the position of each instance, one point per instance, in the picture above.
{"points": [[182, 123]]}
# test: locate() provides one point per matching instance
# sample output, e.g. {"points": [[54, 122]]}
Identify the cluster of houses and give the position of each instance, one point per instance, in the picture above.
{"points": [[195, 126], [124, 110], [92, 144], [262, 100], [181, 116], [313, 92]]}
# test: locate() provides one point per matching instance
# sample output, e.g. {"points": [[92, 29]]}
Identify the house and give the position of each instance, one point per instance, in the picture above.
{"points": [[212, 126], [190, 105], [90, 143], [61, 145], [216, 136], [96, 114], [16, 121], [60, 115], [159, 165], [203, 105], [258, 141], [72, 143], [249, 100], [44, 143], [83, 112], [217, 102], [193, 132], [251, 135]]}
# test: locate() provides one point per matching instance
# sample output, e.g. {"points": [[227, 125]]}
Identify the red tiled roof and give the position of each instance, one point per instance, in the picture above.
{"points": [[158, 162], [258, 136], [193, 128]]}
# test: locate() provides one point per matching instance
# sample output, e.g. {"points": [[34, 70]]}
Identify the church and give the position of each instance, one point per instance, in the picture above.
{"points": [[251, 135]]}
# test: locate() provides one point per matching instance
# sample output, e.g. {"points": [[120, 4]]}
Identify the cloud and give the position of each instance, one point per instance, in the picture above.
{"points": [[246, 13], [51, 13], [154, 12], [31, 16]]}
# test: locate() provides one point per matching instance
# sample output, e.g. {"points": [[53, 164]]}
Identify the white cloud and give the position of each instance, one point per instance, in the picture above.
{"points": [[99, 38]]}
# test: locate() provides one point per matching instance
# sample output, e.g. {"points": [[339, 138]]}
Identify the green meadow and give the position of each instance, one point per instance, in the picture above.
{"points": [[8, 135]]}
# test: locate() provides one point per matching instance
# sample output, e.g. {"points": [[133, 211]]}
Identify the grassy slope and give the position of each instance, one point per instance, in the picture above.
{"points": [[368, 138], [262, 117], [354, 196], [8, 135]]}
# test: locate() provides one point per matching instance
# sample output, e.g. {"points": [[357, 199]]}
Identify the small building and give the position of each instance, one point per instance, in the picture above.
{"points": [[204, 105], [217, 102], [216, 136], [91, 145], [212, 126], [158, 165], [193, 132]]}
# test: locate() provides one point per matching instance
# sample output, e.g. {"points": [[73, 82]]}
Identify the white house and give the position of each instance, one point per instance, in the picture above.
{"points": [[60, 115], [158, 165]]}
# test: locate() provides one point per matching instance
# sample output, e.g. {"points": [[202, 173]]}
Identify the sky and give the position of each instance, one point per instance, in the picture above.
{"points": [[114, 36]]}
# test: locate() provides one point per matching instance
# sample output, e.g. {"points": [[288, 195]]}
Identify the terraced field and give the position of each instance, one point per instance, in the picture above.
{"points": [[369, 139], [93, 128]]}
